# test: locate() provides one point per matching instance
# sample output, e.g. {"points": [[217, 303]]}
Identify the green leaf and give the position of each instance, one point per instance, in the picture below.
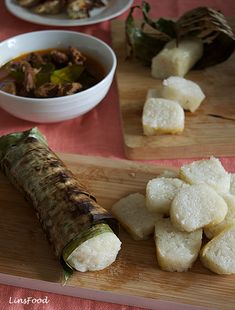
{"points": [[17, 75], [143, 46], [67, 271], [163, 25], [44, 75], [68, 74]]}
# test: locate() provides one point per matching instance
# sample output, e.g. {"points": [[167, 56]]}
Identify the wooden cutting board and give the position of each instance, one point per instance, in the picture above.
{"points": [[27, 260], [208, 131]]}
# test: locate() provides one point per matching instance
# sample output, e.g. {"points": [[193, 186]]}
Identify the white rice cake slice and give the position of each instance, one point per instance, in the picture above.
{"points": [[96, 253], [176, 250], [186, 92], [197, 206], [160, 192], [177, 59], [218, 255], [207, 171], [162, 116], [232, 184], [133, 215], [214, 230]]}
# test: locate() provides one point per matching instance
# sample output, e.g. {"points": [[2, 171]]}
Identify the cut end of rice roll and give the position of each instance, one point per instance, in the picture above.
{"points": [[96, 250], [96, 253]]}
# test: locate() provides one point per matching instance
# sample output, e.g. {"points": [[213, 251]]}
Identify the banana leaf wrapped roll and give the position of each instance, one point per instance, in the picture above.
{"points": [[146, 40], [80, 230]]}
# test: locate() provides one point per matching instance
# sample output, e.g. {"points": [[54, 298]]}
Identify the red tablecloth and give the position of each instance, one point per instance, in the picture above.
{"points": [[96, 133]]}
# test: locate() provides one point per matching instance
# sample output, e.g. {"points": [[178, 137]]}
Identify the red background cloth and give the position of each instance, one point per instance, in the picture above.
{"points": [[96, 133]]}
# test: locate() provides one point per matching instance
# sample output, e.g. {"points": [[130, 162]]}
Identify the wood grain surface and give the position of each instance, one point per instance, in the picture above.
{"points": [[26, 253], [208, 131]]}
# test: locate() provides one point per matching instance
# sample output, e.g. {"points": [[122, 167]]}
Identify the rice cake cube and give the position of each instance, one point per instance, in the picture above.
{"points": [[186, 92], [160, 192], [197, 206], [207, 171], [214, 230], [218, 255], [133, 215], [176, 250], [177, 59], [162, 116]]}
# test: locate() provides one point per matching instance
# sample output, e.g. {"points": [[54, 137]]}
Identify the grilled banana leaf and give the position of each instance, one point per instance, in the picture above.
{"points": [[68, 213], [146, 40], [212, 28]]}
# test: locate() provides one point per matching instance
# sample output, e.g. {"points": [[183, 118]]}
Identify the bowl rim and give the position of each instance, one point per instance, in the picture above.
{"points": [[84, 92]]}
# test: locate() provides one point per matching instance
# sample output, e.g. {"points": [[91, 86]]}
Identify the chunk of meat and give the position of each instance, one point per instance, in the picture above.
{"points": [[29, 75], [36, 60], [81, 8], [46, 90], [78, 8], [9, 87], [60, 58], [24, 74], [76, 56], [69, 89]]}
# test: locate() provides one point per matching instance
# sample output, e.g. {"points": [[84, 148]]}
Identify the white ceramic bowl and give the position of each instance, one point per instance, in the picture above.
{"points": [[47, 110]]}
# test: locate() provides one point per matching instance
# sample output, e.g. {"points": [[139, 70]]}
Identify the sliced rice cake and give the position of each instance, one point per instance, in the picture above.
{"points": [[176, 250], [160, 192], [218, 255], [133, 215], [186, 92], [177, 58], [197, 206], [207, 171], [214, 230], [162, 116]]}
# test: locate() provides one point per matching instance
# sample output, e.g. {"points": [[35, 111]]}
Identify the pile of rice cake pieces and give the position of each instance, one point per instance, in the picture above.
{"points": [[163, 111], [178, 208]]}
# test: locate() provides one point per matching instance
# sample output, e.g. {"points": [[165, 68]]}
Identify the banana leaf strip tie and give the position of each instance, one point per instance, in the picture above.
{"points": [[68, 213], [146, 40]]}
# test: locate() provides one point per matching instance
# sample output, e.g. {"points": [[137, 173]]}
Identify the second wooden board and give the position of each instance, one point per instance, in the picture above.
{"points": [[208, 131]]}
